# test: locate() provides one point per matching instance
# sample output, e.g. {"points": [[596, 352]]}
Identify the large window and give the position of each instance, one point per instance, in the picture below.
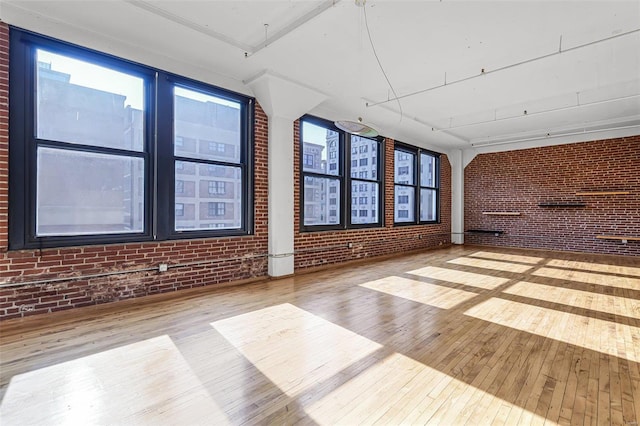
{"points": [[104, 150], [416, 188], [343, 166]]}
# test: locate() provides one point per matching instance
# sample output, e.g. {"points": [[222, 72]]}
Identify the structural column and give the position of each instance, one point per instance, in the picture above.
{"points": [[281, 202], [457, 196], [284, 101], [459, 159]]}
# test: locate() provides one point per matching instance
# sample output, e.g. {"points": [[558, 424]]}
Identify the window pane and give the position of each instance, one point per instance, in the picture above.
{"points": [[367, 211], [82, 103], [321, 150], [405, 204], [85, 193], [427, 170], [211, 196], [428, 205], [321, 203], [404, 172], [206, 126], [363, 158]]}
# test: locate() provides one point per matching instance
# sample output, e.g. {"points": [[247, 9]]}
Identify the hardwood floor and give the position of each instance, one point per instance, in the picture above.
{"points": [[463, 335]]}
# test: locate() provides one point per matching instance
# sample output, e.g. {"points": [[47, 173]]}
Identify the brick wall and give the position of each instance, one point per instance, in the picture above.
{"points": [[192, 263], [520, 180], [317, 249]]}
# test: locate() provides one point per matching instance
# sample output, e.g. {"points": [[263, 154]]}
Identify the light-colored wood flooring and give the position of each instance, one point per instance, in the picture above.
{"points": [[462, 335]]}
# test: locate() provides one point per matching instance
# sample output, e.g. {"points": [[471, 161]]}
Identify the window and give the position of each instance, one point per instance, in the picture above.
{"points": [[364, 213], [91, 161], [308, 160], [344, 172], [216, 187], [215, 146], [216, 209], [416, 185]]}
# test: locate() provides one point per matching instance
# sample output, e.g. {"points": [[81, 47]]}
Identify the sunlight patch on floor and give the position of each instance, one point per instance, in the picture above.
{"points": [[595, 267], [401, 390], [147, 382], [507, 257], [421, 292], [589, 278], [460, 277], [587, 332], [293, 348], [490, 264], [578, 298], [340, 377]]}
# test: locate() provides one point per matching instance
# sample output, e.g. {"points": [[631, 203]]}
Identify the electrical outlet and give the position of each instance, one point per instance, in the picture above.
{"points": [[163, 267], [350, 245]]}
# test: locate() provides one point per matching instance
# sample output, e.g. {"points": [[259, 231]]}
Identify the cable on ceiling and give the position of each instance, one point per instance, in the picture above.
{"points": [[506, 67], [366, 23]]}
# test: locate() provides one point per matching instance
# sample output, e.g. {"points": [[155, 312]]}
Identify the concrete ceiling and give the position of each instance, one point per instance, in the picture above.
{"points": [[481, 75]]}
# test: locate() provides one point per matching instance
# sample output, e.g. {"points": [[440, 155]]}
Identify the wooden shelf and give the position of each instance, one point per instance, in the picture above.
{"points": [[603, 193], [552, 204], [502, 213], [617, 237]]}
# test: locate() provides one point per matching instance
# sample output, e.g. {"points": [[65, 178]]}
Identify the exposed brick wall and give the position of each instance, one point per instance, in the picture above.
{"points": [[519, 180], [316, 249], [219, 260]]}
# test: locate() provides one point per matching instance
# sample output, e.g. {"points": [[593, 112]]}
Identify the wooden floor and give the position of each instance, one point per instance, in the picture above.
{"points": [[463, 335]]}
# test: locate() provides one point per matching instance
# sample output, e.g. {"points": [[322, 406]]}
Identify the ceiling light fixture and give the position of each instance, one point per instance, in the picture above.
{"points": [[357, 128]]}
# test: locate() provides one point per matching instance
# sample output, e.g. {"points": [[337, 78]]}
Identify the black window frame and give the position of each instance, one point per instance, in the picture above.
{"points": [[417, 153], [346, 153], [157, 153]]}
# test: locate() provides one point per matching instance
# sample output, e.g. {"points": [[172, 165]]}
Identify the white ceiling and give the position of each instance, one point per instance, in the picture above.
{"points": [[573, 66]]}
